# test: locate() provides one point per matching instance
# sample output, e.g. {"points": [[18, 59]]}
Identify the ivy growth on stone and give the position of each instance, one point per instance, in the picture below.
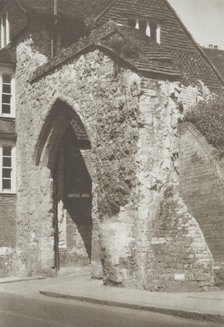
{"points": [[116, 150]]}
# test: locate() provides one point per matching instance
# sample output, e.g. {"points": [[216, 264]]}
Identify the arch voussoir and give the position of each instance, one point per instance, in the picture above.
{"points": [[60, 116]]}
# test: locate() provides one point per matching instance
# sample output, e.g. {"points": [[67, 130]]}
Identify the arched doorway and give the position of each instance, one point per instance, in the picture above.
{"points": [[72, 204], [63, 146]]}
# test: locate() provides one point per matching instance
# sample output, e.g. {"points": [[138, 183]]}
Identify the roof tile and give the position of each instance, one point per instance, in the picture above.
{"points": [[142, 52], [72, 8], [217, 58], [8, 56], [175, 36]]}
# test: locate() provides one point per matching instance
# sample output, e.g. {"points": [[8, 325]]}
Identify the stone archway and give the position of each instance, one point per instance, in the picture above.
{"points": [[61, 148], [57, 121]]}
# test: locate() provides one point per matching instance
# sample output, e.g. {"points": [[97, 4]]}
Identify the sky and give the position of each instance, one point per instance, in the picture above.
{"points": [[203, 18]]}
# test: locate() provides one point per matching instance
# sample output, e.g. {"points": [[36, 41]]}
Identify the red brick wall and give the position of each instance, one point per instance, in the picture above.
{"points": [[202, 187], [179, 249], [7, 231], [7, 220]]}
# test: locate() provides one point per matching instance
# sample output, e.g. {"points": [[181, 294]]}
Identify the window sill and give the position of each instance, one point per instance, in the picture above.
{"points": [[7, 118], [8, 193]]}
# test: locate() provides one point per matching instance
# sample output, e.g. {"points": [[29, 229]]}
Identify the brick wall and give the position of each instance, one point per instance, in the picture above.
{"points": [[180, 258], [7, 231], [202, 187], [7, 220]]}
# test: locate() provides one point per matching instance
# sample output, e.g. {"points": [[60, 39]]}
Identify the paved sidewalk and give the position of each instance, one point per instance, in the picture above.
{"points": [[208, 306], [7, 280]]}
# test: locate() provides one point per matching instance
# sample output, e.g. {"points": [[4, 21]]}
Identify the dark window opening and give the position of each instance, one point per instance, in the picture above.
{"points": [[142, 26], [148, 27], [153, 28], [131, 22]]}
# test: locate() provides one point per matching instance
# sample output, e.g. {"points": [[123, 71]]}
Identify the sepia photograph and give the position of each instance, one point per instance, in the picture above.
{"points": [[111, 163]]}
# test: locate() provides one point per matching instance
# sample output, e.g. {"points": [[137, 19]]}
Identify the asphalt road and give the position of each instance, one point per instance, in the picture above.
{"points": [[21, 311]]}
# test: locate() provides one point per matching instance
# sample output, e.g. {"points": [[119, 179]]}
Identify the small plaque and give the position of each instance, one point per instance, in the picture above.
{"points": [[179, 277], [78, 195]]}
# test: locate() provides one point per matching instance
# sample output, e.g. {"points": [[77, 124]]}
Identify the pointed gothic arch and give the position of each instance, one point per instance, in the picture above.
{"points": [[59, 118], [59, 148]]}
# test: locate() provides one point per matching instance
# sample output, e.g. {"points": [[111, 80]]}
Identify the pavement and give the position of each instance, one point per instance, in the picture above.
{"points": [[8, 280], [205, 306]]}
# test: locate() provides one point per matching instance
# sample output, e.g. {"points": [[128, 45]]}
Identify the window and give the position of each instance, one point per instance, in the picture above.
{"points": [[142, 26], [4, 29], [149, 28], [7, 168], [131, 22], [7, 96]]}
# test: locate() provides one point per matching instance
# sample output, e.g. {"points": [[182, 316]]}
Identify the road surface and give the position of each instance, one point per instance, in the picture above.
{"points": [[25, 311]]}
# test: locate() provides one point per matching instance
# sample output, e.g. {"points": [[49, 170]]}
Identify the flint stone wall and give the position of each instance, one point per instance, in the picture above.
{"points": [[132, 123]]}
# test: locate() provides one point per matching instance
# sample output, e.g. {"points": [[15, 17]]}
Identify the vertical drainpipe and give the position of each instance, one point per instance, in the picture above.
{"points": [[54, 34]]}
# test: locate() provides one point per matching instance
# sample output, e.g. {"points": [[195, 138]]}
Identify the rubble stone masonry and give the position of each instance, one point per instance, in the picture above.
{"points": [[143, 233]]}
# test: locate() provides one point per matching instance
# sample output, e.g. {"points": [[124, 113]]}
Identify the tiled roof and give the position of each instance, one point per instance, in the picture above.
{"points": [[159, 10], [151, 57], [217, 58], [19, 11], [8, 56], [73, 8], [7, 128], [179, 51], [174, 36], [128, 44], [145, 43]]}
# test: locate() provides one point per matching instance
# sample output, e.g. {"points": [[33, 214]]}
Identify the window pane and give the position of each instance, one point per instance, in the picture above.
{"points": [[142, 26], [7, 88], [153, 27], [6, 173], [6, 98], [6, 184], [6, 109], [6, 78], [7, 151], [131, 22], [6, 162]]}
